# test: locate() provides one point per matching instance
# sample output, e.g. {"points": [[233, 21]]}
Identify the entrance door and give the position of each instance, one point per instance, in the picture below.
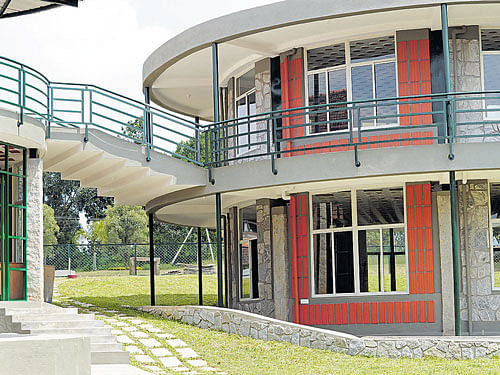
{"points": [[13, 236]]}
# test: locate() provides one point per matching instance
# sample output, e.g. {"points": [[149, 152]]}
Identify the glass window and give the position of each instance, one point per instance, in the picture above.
{"points": [[383, 206], [317, 95], [246, 106], [249, 277], [245, 83], [326, 57], [381, 246], [495, 224], [332, 210], [337, 93]]}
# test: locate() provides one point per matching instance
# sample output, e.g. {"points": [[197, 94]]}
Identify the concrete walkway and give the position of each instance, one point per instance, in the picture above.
{"points": [[151, 349]]}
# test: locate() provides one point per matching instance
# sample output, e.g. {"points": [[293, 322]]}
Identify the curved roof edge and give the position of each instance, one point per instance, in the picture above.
{"points": [[276, 15]]}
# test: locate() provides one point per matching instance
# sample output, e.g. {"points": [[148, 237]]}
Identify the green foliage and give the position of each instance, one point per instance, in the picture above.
{"points": [[134, 130], [50, 227], [125, 224], [189, 154], [95, 233], [68, 199]]}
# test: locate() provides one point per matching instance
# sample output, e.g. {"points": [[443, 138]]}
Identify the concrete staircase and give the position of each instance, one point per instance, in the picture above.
{"points": [[46, 319]]}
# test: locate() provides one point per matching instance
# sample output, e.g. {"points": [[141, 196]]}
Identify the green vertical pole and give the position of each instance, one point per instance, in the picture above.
{"points": [[152, 259], [453, 185], [5, 204], [135, 259], [2, 225], [218, 219], [456, 265], [25, 224], [69, 259]]}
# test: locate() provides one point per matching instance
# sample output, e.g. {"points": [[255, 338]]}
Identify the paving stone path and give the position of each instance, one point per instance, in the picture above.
{"points": [[151, 348]]}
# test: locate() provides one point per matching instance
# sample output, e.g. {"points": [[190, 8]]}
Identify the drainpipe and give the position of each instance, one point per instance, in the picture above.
{"points": [[453, 185], [152, 260]]}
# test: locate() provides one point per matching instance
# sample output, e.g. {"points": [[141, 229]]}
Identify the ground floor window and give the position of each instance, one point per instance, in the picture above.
{"points": [[359, 242], [248, 258], [495, 235]]}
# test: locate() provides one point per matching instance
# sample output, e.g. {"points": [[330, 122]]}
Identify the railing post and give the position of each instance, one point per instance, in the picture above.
{"points": [[50, 108], [198, 140], [200, 270], [86, 138], [147, 134], [447, 78], [69, 259], [152, 260], [135, 259], [21, 94], [357, 163], [218, 219], [215, 94]]}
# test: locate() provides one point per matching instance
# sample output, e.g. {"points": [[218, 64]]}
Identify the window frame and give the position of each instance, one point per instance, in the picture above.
{"points": [[492, 223], [354, 229], [244, 149], [481, 68], [348, 73], [250, 259]]}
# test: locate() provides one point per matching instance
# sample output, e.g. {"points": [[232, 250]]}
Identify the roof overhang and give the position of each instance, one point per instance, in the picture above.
{"points": [[179, 72], [14, 8]]}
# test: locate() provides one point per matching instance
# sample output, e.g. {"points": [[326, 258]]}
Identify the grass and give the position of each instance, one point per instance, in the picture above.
{"points": [[242, 355]]}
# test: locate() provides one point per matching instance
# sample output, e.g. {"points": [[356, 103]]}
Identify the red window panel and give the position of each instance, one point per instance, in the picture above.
{"points": [[430, 311], [406, 312], [317, 313], [359, 313], [331, 314], [366, 313], [422, 311], [398, 312], [421, 282], [429, 282], [374, 312], [414, 311], [352, 313], [381, 312], [324, 314], [390, 312], [345, 312], [338, 314]]}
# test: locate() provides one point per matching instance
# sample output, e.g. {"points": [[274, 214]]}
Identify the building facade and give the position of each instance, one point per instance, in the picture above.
{"points": [[351, 147]]}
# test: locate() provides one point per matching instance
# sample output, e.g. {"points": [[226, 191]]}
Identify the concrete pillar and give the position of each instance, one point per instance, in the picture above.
{"points": [[281, 263], [34, 220], [444, 222]]}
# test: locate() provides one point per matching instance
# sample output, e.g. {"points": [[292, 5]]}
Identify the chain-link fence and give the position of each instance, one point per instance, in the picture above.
{"points": [[128, 259]]}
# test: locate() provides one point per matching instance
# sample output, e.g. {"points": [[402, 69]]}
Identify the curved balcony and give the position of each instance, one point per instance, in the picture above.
{"points": [[347, 128]]}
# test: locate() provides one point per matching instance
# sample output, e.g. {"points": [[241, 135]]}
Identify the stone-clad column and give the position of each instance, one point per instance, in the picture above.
{"points": [[281, 263], [34, 220], [265, 257], [446, 262]]}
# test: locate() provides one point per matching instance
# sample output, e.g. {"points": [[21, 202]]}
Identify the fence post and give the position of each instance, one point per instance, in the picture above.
{"points": [[135, 259], [94, 258], [69, 259]]}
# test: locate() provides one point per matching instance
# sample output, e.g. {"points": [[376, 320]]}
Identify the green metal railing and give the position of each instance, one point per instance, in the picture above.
{"points": [[445, 118]]}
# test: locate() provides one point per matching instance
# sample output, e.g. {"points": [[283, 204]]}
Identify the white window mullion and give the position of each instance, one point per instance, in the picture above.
{"points": [[332, 238], [374, 88], [381, 260]]}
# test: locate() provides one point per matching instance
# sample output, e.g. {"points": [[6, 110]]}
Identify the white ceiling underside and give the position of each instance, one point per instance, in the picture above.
{"points": [[186, 86]]}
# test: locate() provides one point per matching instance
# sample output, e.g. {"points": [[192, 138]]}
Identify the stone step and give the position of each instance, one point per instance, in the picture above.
{"points": [[91, 331], [37, 310], [103, 339], [105, 346], [109, 357], [44, 324], [51, 317]]}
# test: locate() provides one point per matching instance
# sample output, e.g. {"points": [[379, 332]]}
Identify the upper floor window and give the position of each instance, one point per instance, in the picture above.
{"points": [[245, 106], [490, 47], [351, 71]]}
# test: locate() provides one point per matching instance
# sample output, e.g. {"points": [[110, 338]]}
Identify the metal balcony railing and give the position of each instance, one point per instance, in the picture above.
{"points": [[445, 118]]}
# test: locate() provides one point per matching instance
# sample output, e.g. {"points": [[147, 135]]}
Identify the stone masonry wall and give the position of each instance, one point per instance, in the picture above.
{"points": [[259, 327], [34, 220], [265, 304], [468, 65], [474, 203]]}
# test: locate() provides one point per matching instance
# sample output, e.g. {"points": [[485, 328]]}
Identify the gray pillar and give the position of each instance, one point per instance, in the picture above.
{"points": [[446, 251], [281, 263], [34, 221]]}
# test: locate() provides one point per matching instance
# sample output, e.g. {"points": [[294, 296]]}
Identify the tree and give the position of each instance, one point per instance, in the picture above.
{"points": [[134, 131], [50, 227], [125, 225], [95, 233], [189, 154]]}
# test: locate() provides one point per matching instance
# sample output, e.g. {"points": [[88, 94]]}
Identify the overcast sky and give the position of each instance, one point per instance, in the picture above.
{"points": [[105, 42]]}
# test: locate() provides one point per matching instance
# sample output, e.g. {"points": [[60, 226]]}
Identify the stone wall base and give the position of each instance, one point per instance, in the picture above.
{"points": [[259, 327]]}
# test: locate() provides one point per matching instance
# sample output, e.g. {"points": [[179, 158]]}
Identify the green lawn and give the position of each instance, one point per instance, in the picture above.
{"points": [[241, 355]]}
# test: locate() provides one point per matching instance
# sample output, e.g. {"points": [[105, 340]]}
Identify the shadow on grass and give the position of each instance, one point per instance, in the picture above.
{"points": [[145, 300]]}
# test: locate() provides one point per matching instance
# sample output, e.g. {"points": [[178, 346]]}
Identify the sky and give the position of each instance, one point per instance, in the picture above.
{"points": [[105, 42]]}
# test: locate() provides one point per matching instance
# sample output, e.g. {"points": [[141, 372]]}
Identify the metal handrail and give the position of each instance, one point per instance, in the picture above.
{"points": [[345, 126]]}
